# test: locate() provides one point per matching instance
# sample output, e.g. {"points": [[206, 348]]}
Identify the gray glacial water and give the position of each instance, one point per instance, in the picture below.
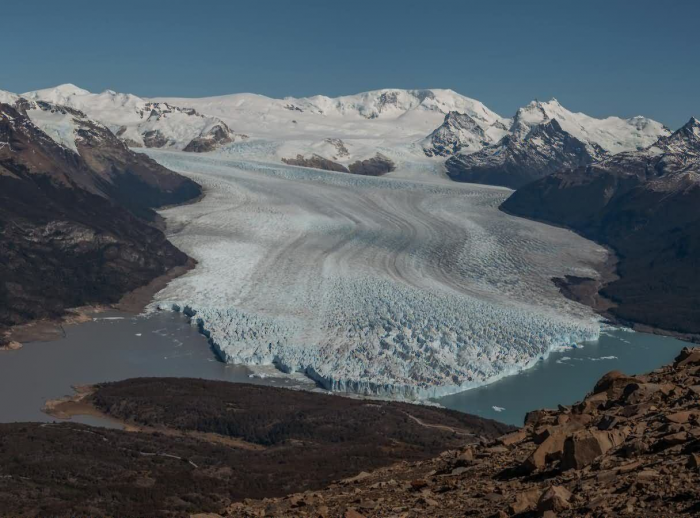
{"points": [[111, 348], [565, 377], [121, 346]]}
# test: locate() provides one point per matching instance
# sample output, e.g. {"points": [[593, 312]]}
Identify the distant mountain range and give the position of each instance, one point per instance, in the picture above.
{"points": [[484, 147]]}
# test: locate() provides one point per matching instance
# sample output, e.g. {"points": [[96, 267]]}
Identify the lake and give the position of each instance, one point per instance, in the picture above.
{"points": [[117, 346], [566, 377]]}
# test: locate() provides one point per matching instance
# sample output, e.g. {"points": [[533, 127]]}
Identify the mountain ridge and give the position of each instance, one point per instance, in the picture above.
{"points": [[77, 225], [401, 118], [642, 204]]}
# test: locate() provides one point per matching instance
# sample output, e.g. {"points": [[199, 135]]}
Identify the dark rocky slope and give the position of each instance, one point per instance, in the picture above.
{"points": [[316, 162], [205, 444], [630, 448], [645, 206], [518, 159], [75, 227], [131, 179]]}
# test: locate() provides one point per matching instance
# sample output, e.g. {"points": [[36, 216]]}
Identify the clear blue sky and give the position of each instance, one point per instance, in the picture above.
{"points": [[601, 57]]}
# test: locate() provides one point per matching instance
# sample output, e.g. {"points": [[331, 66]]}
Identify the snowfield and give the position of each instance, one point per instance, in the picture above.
{"points": [[411, 287]]}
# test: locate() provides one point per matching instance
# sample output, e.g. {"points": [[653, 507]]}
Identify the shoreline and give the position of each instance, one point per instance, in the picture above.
{"points": [[79, 405], [133, 302]]}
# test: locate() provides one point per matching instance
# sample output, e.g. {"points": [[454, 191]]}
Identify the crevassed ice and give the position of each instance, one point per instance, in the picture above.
{"points": [[388, 287]]}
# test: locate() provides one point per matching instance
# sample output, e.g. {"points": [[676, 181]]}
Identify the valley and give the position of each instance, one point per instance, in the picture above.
{"points": [[341, 252]]}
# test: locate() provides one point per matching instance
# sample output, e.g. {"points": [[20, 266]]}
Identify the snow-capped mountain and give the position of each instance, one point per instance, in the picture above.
{"points": [[545, 138], [613, 134], [344, 129], [514, 161], [410, 112], [680, 150], [91, 156], [140, 122], [76, 212]]}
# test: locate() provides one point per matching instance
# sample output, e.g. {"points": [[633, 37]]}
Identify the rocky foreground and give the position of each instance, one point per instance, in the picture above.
{"points": [[192, 446], [630, 448]]}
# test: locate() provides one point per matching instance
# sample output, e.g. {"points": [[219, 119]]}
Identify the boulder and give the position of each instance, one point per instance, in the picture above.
{"points": [[465, 457], [688, 356], [585, 446], [613, 383], [671, 440], [635, 393], [514, 437], [694, 461], [534, 417], [418, 484], [556, 499], [548, 451], [525, 501], [681, 417]]}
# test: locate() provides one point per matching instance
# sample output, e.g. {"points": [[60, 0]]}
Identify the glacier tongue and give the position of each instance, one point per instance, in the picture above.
{"points": [[408, 289]]}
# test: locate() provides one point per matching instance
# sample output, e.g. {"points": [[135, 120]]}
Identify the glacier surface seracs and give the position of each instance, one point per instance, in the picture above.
{"points": [[398, 288]]}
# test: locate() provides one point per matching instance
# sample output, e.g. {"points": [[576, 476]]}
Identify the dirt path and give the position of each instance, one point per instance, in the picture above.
{"points": [[439, 426]]}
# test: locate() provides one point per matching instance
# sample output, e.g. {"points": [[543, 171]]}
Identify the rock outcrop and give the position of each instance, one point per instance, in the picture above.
{"points": [[644, 205], [210, 139], [316, 162], [630, 448], [376, 166]]}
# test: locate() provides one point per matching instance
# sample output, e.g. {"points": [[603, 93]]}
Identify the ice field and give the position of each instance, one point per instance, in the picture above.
{"points": [[410, 287]]}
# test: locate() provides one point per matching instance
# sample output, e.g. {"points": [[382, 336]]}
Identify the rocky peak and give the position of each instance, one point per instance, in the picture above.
{"points": [[461, 121], [458, 132], [690, 132], [550, 127], [676, 153], [387, 99], [534, 112]]}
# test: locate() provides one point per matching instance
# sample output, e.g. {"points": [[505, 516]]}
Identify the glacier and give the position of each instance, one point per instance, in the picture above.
{"points": [[407, 288]]}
